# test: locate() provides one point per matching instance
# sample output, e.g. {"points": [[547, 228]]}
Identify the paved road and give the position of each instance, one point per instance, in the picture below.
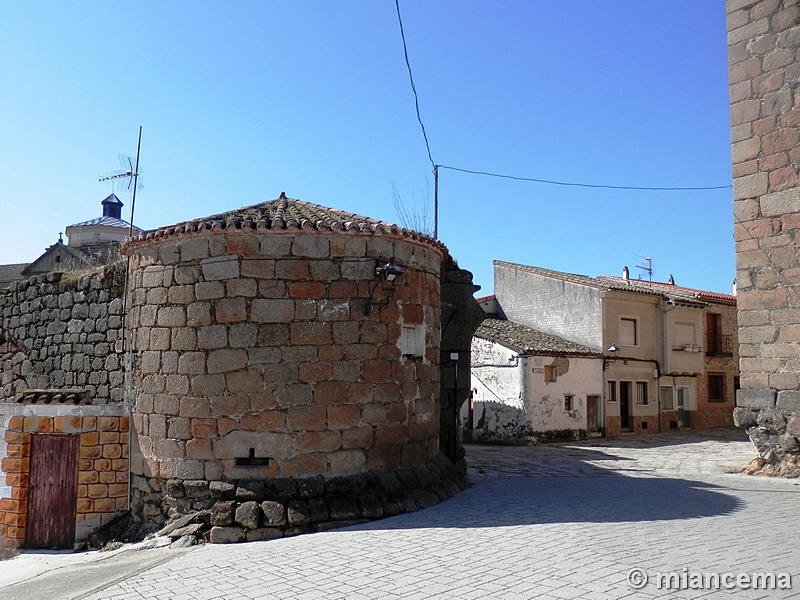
{"points": [[560, 521]]}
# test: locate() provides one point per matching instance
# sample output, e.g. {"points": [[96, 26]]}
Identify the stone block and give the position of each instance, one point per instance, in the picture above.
{"points": [[222, 513], [224, 360], [274, 513], [343, 508], [313, 439], [318, 510], [243, 335], [297, 513], [247, 515], [258, 268], [204, 386], [789, 401], [227, 535], [347, 461], [222, 490], [264, 534], [744, 417], [231, 310], [171, 316], [220, 268], [209, 290], [263, 310], [241, 244]]}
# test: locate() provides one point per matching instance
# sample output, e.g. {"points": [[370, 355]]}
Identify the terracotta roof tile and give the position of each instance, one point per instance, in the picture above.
{"points": [[605, 282], [526, 340], [284, 214], [676, 289]]}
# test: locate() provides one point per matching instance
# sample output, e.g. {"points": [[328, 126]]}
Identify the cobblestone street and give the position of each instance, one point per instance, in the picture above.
{"points": [[559, 521]]}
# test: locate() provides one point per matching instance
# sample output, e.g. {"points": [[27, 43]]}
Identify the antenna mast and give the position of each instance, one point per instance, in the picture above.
{"points": [[130, 171], [647, 267]]}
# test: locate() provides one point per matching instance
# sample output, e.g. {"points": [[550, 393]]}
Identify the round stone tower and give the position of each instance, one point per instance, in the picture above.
{"points": [[284, 370]]}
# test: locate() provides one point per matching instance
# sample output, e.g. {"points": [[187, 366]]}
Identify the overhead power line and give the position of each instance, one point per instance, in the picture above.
{"points": [[411, 79], [500, 175], [587, 185]]}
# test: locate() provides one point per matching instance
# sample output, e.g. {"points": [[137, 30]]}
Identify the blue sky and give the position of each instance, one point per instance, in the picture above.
{"points": [[241, 101]]}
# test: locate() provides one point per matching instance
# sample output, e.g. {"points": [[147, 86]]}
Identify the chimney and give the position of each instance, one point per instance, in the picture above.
{"points": [[626, 275], [112, 207]]}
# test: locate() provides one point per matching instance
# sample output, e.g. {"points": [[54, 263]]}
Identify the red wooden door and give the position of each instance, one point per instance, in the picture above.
{"points": [[52, 491]]}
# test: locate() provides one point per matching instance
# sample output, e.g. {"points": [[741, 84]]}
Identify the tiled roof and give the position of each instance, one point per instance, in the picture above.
{"points": [[9, 273], [80, 257], [284, 214], [526, 340], [107, 222], [571, 277], [678, 290], [605, 282]]}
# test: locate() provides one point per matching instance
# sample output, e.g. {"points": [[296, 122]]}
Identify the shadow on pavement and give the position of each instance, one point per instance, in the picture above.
{"points": [[508, 501], [671, 438]]}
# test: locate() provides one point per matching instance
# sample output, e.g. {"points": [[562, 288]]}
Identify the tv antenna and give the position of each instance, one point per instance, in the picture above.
{"points": [[127, 180], [647, 267]]}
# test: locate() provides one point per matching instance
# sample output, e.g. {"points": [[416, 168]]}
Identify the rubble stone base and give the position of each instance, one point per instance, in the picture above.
{"points": [[251, 510]]}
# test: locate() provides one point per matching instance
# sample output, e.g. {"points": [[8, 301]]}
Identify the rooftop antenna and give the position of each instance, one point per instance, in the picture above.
{"points": [[647, 267], [127, 180]]}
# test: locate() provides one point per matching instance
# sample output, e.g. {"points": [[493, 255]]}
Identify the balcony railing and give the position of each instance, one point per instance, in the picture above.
{"points": [[719, 345]]}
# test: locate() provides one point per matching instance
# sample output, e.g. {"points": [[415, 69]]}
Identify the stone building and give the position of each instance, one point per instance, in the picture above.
{"points": [[284, 345], [531, 386], [273, 370], [90, 244], [763, 73]]}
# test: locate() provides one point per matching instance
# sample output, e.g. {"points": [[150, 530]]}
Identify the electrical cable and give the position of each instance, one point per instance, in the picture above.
{"points": [[587, 185], [413, 87], [530, 179]]}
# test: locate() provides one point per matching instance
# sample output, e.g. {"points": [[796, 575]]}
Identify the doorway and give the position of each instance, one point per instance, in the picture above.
{"points": [[52, 491], [625, 394], [593, 421]]}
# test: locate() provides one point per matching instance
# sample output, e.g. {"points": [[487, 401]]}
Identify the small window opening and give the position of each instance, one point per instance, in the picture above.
{"points": [[251, 460]]}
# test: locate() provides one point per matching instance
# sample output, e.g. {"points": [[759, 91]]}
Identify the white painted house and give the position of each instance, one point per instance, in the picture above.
{"points": [[528, 385]]}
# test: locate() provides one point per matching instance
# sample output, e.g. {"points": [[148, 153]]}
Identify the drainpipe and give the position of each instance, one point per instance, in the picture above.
{"points": [[662, 350]]}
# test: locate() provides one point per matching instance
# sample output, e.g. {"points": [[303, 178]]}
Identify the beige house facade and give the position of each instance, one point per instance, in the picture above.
{"points": [[669, 353]]}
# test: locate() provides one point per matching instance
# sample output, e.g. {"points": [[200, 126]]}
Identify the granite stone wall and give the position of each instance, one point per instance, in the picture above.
{"points": [[764, 70], [279, 355], [62, 331]]}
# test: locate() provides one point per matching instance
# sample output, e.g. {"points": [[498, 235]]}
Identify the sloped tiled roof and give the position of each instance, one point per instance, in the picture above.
{"points": [[680, 291], [284, 214], [526, 340], [80, 257], [9, 273], [107, 222], [605, 283]]}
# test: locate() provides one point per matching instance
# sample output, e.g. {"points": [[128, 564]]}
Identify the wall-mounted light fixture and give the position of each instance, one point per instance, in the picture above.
{"points": [[612, 351], [388, 273]]}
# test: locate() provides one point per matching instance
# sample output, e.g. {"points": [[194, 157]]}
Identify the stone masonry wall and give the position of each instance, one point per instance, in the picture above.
{"points": [[261, 356], [60, 332], [764, 70]]}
